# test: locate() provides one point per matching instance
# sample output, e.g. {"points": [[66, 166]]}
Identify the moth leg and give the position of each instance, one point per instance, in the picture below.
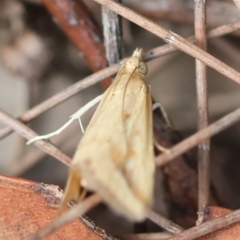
{"points": [[164, 114], [86, 107], [73, 190], [168, 122], [76, 115], [161, 148]]}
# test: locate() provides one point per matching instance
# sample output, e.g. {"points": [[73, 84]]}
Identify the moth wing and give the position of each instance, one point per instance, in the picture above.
{"points": [[115, 156]]}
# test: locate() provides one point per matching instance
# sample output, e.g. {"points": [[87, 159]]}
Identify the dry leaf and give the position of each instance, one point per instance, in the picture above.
{"points": [[26, 206]]}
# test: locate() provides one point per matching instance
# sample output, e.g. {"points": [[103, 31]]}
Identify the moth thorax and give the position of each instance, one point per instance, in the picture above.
{"points": [[143, 68]]}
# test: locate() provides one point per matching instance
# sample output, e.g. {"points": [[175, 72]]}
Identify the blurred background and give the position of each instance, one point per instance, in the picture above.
{"points": [[37, 60]]}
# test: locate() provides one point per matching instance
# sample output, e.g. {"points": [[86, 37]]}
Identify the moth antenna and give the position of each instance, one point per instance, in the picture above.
{"points": [[73, 189]]}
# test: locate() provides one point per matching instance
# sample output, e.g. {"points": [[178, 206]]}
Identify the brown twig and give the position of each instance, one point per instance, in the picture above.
{"points": [[202, 102], [67, 217], [94, 78], [78, 24], [164, 223], [225, 29], [199, 137], [112, 32], [27, 133], [167, 48], [174, 39], [101, 232], [31, 157], [209, 226], [107, 72], [91, 202]]}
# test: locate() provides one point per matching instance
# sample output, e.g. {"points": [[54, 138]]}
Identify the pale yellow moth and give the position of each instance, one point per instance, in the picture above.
{"points": [[115, 156]]}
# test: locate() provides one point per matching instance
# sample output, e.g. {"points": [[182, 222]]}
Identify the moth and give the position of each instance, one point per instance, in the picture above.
{"points": [[115, 156]]}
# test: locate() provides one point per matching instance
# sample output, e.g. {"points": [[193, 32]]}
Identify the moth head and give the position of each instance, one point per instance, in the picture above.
{"points": [[135, 62], [138, 53]]}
